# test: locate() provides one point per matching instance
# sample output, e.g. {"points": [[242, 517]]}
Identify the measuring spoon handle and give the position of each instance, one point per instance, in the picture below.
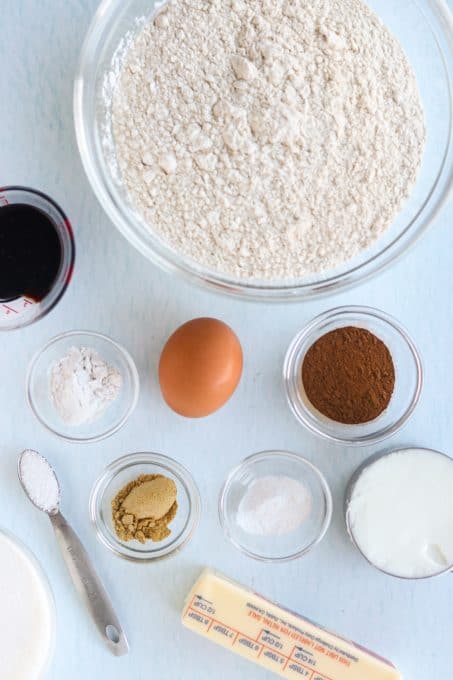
{"points": [[89, 586]]}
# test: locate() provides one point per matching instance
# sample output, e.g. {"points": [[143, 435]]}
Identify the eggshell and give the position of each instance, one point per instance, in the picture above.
{"points": [[200, 367]]}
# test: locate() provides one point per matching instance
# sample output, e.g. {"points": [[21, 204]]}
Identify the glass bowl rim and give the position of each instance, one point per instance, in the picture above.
{"points": [[132, 368], [290, 456], [292, 359], [169, 260], [70, 255], [49, 594], [165, 462], [368, 462]]}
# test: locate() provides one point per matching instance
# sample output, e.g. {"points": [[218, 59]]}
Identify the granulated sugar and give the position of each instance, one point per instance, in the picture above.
{"points": [[267, 139], [274, 506]]}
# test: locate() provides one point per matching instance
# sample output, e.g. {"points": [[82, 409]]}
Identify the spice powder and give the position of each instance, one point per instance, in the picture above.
{"points": [[349, 376], [144, 508]]}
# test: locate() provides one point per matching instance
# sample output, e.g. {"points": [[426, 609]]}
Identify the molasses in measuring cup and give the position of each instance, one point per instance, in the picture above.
{"points": [[36, 256]]}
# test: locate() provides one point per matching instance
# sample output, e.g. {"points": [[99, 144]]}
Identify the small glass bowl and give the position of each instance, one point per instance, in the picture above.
{"points": [[288, 546], [408, 379], [126, 469], [116, 414], [23, 311]]}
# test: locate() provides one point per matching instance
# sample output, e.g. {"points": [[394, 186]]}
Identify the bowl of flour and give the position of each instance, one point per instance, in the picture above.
{"points": [[82, 386], [268, 150]]}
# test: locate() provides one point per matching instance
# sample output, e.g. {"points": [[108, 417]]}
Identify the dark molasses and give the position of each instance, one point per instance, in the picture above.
{"points": [[30, 252]]}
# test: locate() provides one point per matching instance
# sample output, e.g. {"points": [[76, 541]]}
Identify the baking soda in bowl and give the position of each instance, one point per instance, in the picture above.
{"points": [[26, 615], [400, 513]]}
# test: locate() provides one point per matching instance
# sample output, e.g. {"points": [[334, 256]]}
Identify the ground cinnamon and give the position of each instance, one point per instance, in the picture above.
{"points": [[348, 375]]}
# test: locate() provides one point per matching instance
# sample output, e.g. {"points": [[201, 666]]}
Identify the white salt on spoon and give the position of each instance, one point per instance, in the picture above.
{"points": [[39, 481]]}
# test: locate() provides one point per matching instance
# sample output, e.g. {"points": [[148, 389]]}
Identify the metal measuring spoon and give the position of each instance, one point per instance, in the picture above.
{"points": [[87, 582]]}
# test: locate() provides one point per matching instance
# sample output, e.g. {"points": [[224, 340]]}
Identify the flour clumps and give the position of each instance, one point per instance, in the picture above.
{"points": [[83, 385], [267, 140]]}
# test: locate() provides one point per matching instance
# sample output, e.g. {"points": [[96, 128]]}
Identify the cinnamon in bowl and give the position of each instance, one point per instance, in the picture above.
{"points": [[348, 375], [353, 376]]}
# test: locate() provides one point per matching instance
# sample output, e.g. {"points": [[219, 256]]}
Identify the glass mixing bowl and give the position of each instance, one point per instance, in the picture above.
{"points": [[425, 29]]}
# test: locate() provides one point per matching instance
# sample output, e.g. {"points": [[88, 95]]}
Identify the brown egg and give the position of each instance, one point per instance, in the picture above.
{"points": [[200, 367]]}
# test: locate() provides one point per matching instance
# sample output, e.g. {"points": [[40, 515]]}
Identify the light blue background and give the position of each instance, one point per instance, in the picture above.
{"points": [[118, 292]]}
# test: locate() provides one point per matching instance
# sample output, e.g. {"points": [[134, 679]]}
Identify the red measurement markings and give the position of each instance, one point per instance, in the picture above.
{"points": [[3, 200], [299, 663], [200, 614], [307, 668], [213, 621], [307, 677], [199, 610], [289, 658], [263, 646], [9, 310]]}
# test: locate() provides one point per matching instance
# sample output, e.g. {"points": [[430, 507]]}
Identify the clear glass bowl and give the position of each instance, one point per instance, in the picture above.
{"points": [[24, 311], [408, 380], [116, 414], [48, 595], [288, 546], [126, 469], [423, 27]]}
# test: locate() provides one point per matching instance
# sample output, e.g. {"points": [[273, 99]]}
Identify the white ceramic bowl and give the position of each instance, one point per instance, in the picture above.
{"points": [[43, 664]]}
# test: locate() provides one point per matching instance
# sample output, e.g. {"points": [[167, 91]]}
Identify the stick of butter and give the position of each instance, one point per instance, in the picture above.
{"points": [[274, 637]]}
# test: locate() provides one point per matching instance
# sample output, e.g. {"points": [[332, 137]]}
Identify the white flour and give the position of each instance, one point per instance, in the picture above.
{"points": [[267, 139], [82, 385]]}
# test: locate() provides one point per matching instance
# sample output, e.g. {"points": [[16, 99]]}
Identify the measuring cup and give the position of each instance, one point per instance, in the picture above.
{"points": [[24, 311], [350, 492]]}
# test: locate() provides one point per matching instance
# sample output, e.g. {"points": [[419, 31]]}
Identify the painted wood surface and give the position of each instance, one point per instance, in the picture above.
{"points": [[116, 291]]}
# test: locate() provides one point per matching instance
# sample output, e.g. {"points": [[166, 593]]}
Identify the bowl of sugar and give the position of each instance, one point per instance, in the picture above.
{"points": [[275, 506]]}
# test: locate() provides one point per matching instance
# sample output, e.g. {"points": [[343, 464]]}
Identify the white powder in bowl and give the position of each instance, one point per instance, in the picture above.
{"points": [[83, 385], [267, 140], [273, 506]]}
